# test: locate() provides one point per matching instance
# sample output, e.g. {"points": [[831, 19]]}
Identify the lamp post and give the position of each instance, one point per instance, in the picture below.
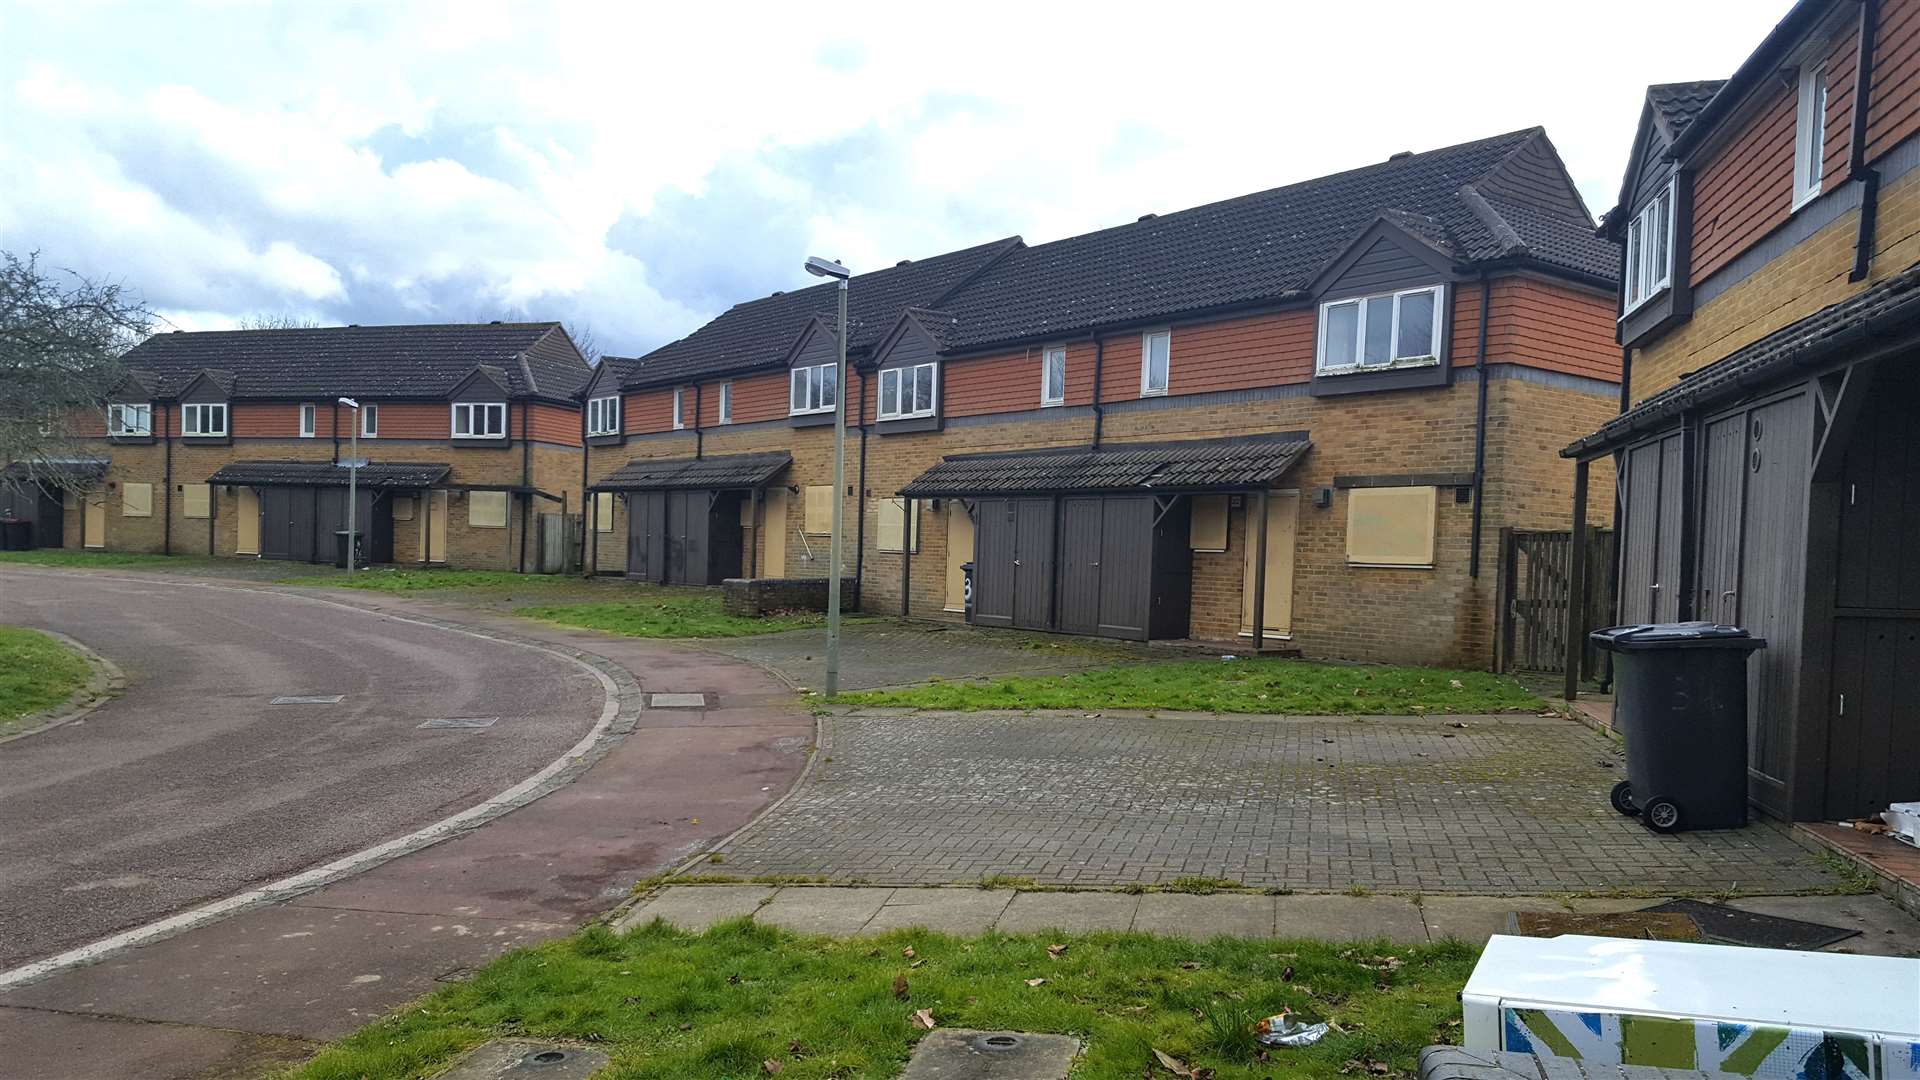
{"points": [[827, 268], [353, 485]]}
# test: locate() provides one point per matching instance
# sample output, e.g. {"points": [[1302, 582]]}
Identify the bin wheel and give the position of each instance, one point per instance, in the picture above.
{"points": [[1622, 799], [1661, 815]]}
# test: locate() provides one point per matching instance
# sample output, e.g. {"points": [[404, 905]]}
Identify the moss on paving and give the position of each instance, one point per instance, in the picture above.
{"points": [[36, 673], [1239, 686], [666, 1004]]}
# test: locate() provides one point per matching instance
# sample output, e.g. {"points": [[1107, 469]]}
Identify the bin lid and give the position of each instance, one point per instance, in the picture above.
{"points": [[1677, 635]]}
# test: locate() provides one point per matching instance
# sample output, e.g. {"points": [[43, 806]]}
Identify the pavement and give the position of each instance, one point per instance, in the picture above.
{"points": [[271, 981], [1478, 804], [842, 911]]}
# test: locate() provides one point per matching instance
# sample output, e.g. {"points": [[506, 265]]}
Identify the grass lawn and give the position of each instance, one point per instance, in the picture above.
{"points": [[666, 614], [412, 581], [722, 1004], [63, 557], [1238, 686], [36, 673]]}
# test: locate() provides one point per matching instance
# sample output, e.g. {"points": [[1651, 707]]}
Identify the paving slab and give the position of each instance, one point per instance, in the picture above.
{"points": [[1886, 929], [1349, 918], [1071, 913], [834, 912], [527, 1059], [948, 911], [962, 1054], [1473, 919], [697, 907], [43, 1045], [1203, 917]]}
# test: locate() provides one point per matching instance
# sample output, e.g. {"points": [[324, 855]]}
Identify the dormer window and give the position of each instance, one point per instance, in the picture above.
{"points": [[129, 420], [813, 389], [204, 419], [1809, 135], [603, 415], [1374, 333], [907, 392], [1650, 249], [480, 420]]}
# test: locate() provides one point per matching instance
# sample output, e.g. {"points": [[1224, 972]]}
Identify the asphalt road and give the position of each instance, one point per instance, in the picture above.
{"points": [[192, 786]]}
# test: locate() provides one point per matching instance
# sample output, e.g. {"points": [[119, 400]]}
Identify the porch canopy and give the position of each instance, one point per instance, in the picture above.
{"points": [[74, 471], [374, 474], [727, 472], [1247, 463]]}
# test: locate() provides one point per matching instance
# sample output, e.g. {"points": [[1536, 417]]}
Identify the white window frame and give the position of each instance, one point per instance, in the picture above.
{"points": [[1324, 365], [907, 378], [1809, 134], [679, 408], [203, 413], [815, 376], [1147, 389], [603, 415], [475, 412], [1645, 278], [1047, 358], [724, 408], [117, 414], [369, 420], [309, 420]]}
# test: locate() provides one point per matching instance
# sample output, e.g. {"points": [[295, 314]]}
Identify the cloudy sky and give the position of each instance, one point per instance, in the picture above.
{"points": [[636, 168]]}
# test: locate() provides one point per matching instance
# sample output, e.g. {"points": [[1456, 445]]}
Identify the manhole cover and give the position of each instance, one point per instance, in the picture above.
{"points": [[958, 1054], [309, 699], [677, 701], [526, 1059], [462, 722]]}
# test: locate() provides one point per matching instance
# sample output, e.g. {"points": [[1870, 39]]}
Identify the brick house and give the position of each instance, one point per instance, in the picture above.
{"points": [[1386, 360], [1769, 467], [229, 443]]}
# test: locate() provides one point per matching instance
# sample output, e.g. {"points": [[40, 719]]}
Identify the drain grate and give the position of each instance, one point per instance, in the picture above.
{"points": [[462, 722], [310, 699], [676, 701]]}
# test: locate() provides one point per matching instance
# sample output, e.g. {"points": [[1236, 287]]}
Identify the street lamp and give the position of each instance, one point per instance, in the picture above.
{"points": [[827, 268], [353, 486]]}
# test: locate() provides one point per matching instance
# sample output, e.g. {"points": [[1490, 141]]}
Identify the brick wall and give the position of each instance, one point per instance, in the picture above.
{"points": [[754, 597]]}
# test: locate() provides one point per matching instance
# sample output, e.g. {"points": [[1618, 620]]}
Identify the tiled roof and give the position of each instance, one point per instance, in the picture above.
{"points": [[724, 471], [1678, 103], [1873, 315], [757, 332], [1212, 464], [71, 469], [374, 474], [373, 361]]}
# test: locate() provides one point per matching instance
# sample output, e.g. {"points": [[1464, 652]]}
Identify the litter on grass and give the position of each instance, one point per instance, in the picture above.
{"points": [[1284, 1030]]}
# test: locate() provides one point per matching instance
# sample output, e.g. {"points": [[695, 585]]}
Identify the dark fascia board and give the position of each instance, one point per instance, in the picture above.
{"points": [[1381, 228], [1611, 228], [906, 323], [1774, 49], [200, 381], [909, 425], [819, 419], [474, 376], [1404, 480], [1423, 377], [815, 324], [130, 389], [601, 374], [607, 440]]}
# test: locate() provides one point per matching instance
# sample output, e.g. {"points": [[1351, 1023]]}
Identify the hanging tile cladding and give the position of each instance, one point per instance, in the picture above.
{"points": [[550, 423], [1895, 111], [1541, 324], [407, 419]]}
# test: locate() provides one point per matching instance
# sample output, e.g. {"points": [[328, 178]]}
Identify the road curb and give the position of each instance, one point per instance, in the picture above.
{"points": [[103, 685]]}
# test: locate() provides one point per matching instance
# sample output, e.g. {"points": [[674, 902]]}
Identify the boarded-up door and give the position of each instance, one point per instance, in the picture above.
{"points": [[1283, 513], [1033, 563], [773, 552], [95, 525], [276, 522], [433, 532], [246, 523], [959, 552], [1081, 523]]}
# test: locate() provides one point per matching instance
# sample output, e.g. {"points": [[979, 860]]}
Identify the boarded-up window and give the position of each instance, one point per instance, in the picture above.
{"points": [[136, 500], [196, 500], [403, 508], [892, 514], [819, 510], [1391, 526], [487, 509], [1208, 531], [603, 511]]}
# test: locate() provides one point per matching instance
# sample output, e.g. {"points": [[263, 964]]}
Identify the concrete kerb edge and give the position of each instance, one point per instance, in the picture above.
{"points": [[619, 716], [104, 683]]}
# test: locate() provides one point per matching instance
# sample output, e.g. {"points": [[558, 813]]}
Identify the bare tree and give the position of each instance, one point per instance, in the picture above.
{"points": [[61, 339], [260, 321], [583, 339]]}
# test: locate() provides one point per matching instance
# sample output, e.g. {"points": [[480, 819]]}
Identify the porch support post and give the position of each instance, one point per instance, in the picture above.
{"points": [[426, 528], [1259, 505], [1577, 581], [906, 556]]}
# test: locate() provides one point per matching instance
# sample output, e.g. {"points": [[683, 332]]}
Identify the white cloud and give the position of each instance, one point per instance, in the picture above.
{"points": [[638, 167]]}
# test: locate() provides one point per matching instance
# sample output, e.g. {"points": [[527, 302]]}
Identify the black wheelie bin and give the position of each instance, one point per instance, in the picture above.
{"points": [[1680, 696]]}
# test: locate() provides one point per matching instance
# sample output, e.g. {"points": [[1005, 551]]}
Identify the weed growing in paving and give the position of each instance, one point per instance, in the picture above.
{"points": [[1242, 686], [36, 673], [667, 1004]]}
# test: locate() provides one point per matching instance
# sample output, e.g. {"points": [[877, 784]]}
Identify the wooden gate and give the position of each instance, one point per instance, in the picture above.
{"points": [[1533, 600]]}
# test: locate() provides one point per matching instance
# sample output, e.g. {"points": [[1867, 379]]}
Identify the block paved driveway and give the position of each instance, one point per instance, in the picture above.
{"points": [[1508, 804]]}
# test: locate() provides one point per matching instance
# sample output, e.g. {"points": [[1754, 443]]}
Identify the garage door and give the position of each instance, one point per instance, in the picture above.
{"points": [[1106, 565], [1013, 563]]}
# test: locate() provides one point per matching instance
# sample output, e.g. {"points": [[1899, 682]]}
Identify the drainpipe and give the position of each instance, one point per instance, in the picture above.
{"points": [[860, 504], [526, 481], [334, 423], [166, 488], [699, 436], [1480, 427], [588, 504], [1099, 363], [1868, 176]]}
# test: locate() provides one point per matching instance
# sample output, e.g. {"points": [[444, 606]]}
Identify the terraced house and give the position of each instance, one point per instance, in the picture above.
{"points": [[1770, 464], [1306, 411], [232, 443]]}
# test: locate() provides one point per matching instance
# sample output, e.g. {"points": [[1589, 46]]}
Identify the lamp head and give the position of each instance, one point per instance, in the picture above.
{"points": [[820, 267], [349, 403]]}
